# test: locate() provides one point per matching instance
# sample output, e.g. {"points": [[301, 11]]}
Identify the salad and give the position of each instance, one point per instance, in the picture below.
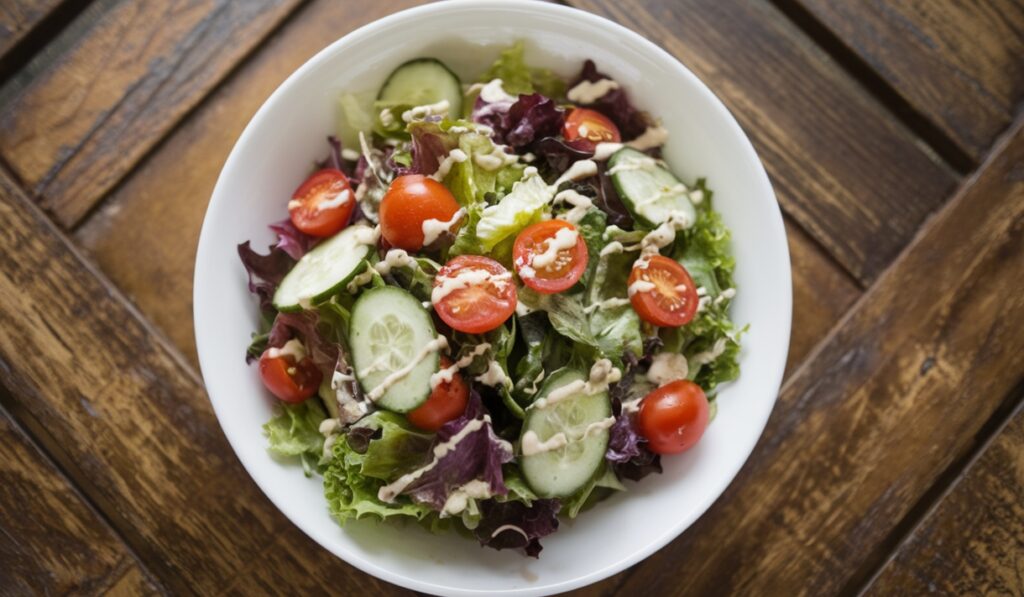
{"points": [[492, 305]]}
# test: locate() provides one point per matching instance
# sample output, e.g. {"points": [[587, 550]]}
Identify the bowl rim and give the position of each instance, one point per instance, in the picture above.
{"points": [[206, 240]]}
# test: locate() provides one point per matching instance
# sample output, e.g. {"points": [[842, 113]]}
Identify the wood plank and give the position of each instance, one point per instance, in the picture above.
{"points": [[100, 96], [869, 422], [53, 543], [973, 541], [843, 167], [19, 17], [960, 64], [131, 426]]}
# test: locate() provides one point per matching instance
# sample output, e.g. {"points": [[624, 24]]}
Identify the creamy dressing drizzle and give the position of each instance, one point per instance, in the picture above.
{"points": [[459, 497], [509, 527], [563, 240], [580, 203], [531, 444], [632, 406], [632, 162], [336, 201], [588, 92], [667, 367], [662, 236], [493, 91], [420, 112], [456, 155], [433, 228], [349, 154], [387, 118], [464, 278], [494, 376], [292, 348], [445, 375], [579, 170], [350, 410], [640, 286], [709, 356], [392, 259], [389, 492], [497, 158], [602, 374], [653, 136], [328, 451], [439, 343]]}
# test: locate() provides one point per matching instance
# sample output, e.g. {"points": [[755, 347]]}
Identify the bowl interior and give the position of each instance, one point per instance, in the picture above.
{"points": [[288, 134]]}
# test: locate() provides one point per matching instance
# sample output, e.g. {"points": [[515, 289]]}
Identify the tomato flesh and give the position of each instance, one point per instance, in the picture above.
{"points": [[474, 294], [662, 293], [323, 204], [673, 417], [410, 201], [446, 402], [589, 127], [290, 381], [545, 271]]}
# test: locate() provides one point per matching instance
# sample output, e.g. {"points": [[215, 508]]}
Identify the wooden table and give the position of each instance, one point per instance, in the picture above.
{"points": [[892, 131]]}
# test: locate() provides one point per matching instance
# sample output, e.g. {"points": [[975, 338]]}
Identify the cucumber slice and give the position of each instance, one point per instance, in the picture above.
{"points": [[562, 471], [324, 271], [391, 332], [650, 192], [420, 82]]}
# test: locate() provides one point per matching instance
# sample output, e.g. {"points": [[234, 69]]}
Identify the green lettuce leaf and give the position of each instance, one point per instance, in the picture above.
{"points": [[602, 485], [352, 479], [295, 431], [516, 77], [522, 206]]}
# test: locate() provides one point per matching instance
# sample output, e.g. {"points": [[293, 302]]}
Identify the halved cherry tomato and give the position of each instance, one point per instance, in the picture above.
{"points": [[663, 293], [289, 381], [590, 127], [446, 402], [544, 271], [411, 200], [322, 205], [673, 417], [474, 294]]}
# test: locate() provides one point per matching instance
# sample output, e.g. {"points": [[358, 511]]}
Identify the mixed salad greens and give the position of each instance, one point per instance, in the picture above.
{"points": [[492, 304]]}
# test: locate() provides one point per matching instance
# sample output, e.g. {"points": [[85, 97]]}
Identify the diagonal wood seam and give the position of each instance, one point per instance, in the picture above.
{"points": [[125, 564], [1017, 127], [965, 467]]}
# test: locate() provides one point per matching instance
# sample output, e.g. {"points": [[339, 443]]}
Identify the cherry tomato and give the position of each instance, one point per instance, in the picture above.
{"points": [[590, 127], [545, 272], [474, 294], [289, 381], [411, 200], [663, 293], [446, 402], [322, 205], [673, 417]]}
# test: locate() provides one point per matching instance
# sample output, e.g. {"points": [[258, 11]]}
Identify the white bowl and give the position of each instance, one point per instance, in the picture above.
{"points": [[274, 154]]}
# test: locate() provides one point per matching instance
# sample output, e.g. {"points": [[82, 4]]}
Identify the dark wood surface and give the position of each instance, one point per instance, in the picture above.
{"points": [[892, 462]]}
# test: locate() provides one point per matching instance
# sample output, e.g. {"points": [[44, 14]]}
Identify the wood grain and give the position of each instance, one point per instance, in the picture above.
{"points": [[19, 17], [869, 422], [53, 543], [843, 167], [973, 542], [961, 64], [113, 84], [131, 426]]}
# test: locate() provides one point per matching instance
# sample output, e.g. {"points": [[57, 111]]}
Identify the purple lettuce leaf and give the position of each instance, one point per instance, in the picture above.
{"points": [[640, 466], [514, 525], [609, 202], [265, 272], [624, 443], [558, 153], [520, 123], [304, 325], [430, 145], [334, 159], [615, 104], [479, 454], [492, 114], [291, 240]]}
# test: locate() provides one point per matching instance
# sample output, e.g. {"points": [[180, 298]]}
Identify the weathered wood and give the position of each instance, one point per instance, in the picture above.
{"points": [[113, 84], [131, 426], [960, 64], [869, 422], [53, 543], [973, 541], [19, 17], [843, 167]]}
